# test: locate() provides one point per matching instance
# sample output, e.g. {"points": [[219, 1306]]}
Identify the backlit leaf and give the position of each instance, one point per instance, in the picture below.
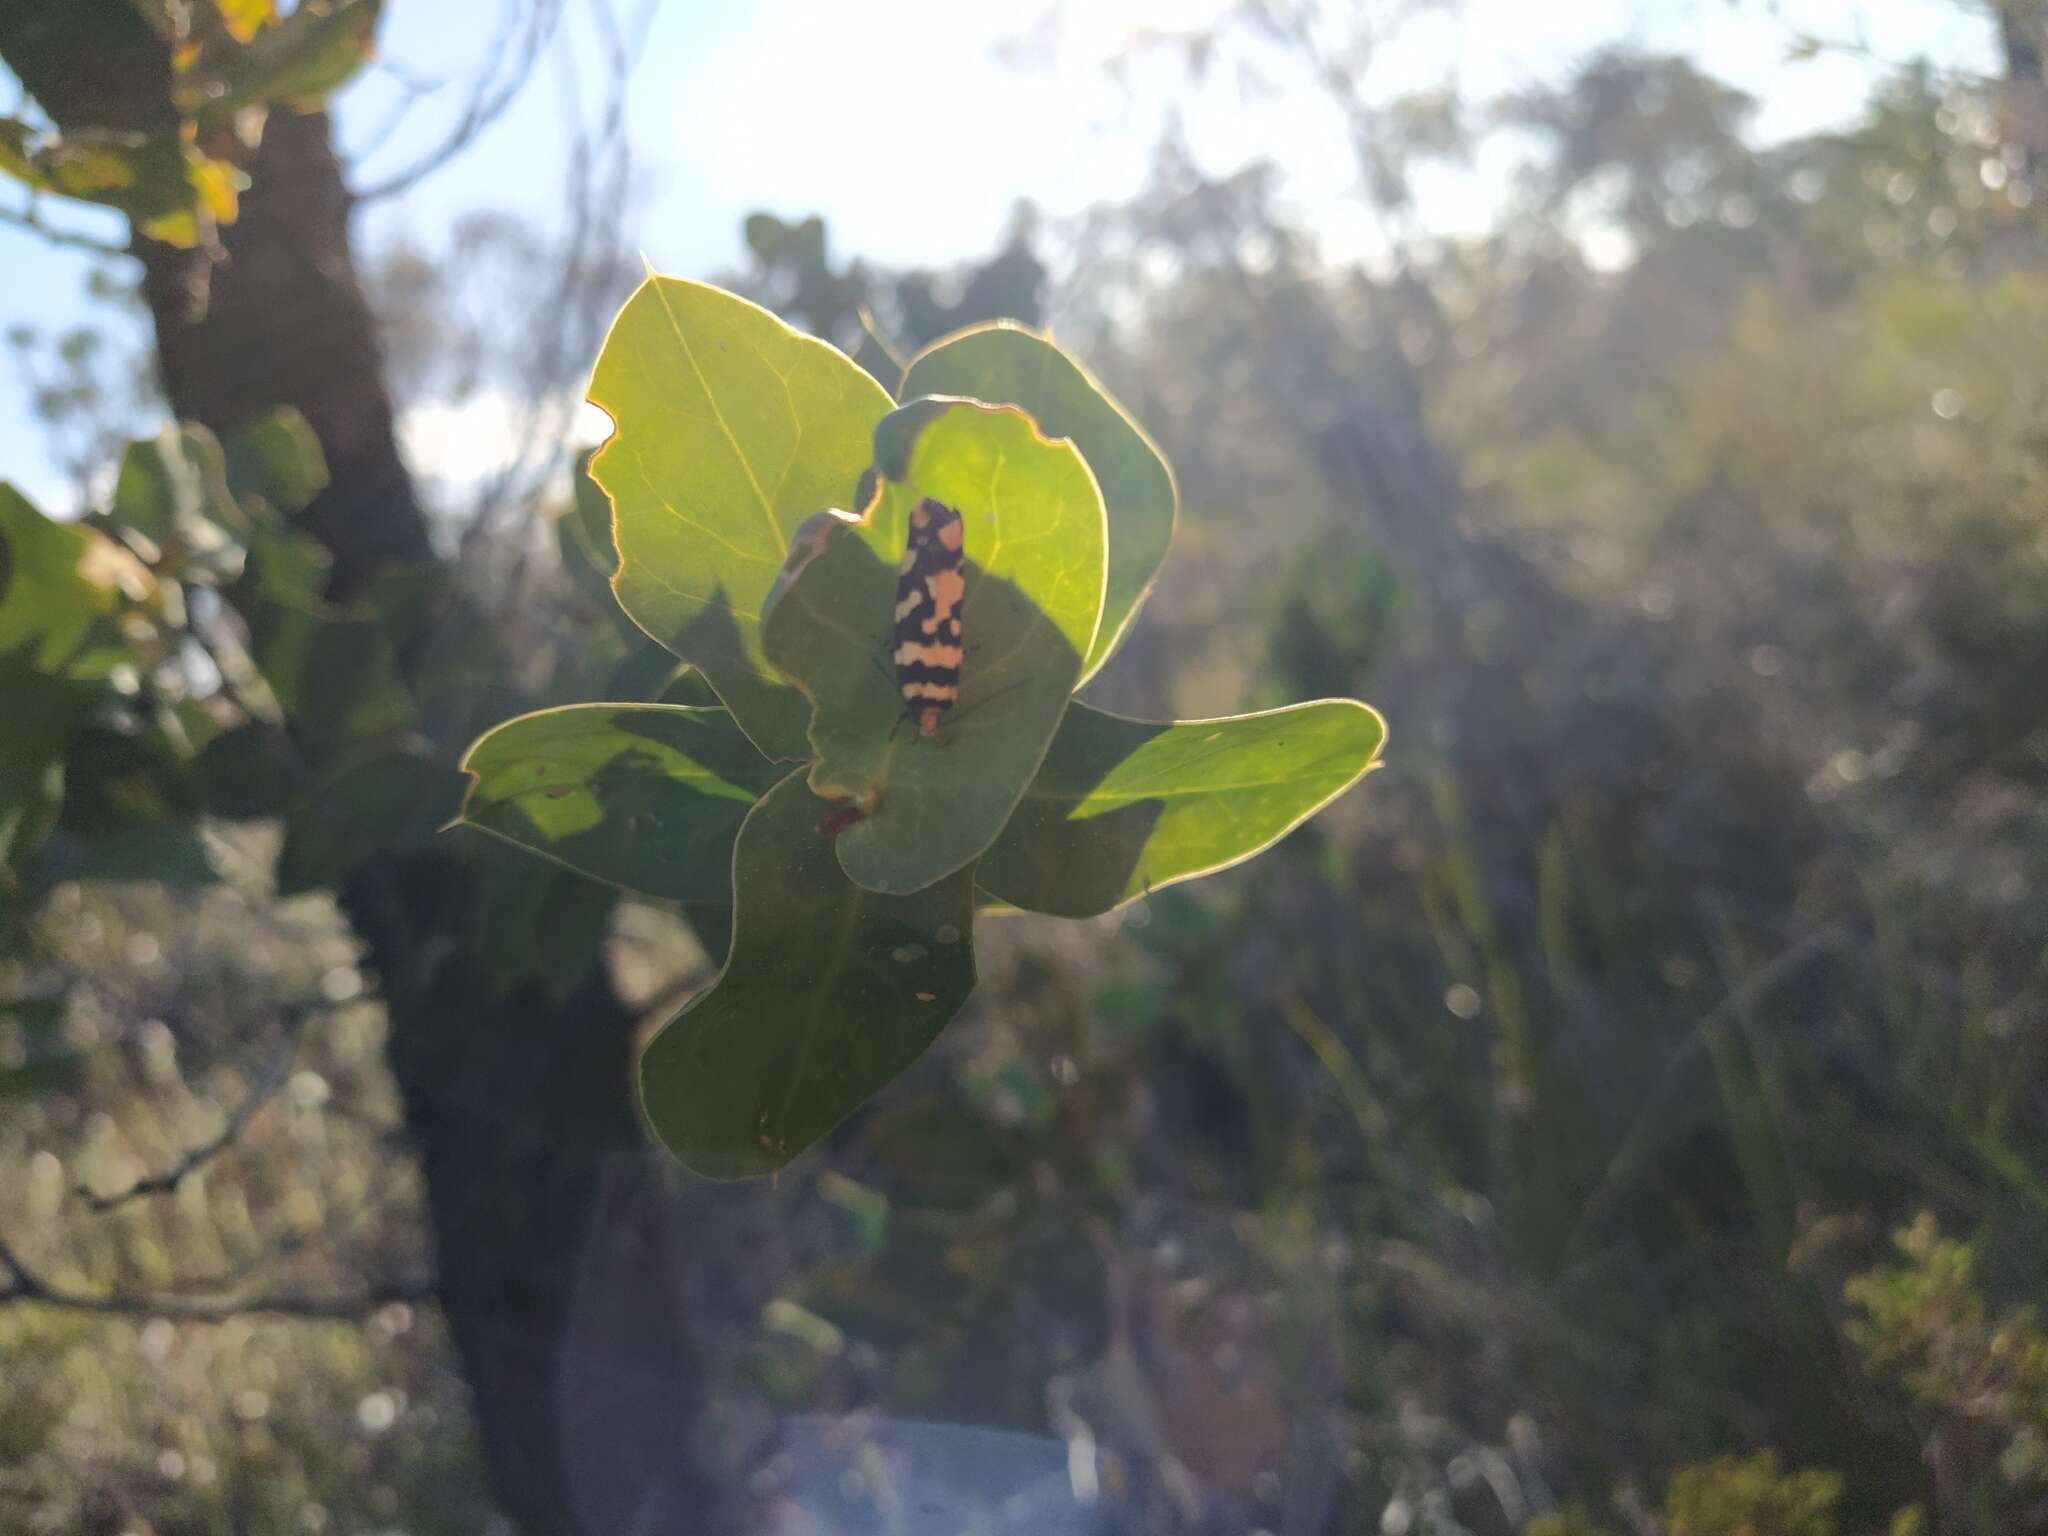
{"points": [[56, 580], [173, 490], [1123, 807], [645, 796], [1005, 364], [276, 457], [1034, 549], [729, 430]]}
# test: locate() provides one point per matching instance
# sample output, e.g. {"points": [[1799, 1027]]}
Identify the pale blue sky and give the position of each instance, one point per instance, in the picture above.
{"points": [[901, 122]]}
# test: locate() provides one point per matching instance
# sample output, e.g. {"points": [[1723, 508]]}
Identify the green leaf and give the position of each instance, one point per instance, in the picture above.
{"points": [[246, 772], [645, 796], [288, 568], [536, 922], [368, 808], [130, 812], [299, 61], [56, 579], [829, 992], [1123, 807], [42, 715], [711, 923], [1005, 364], [173, 490], [163, 852], [276, 457], [641, 671], [21, 147], [177, 476], [583, 534], [147, 176], [331, 667], [730, 429], [686, 685], [1034, 547], [245, 18]]}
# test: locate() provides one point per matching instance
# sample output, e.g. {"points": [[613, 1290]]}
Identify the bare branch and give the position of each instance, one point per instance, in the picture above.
{"points": [[30, 218], [409, 79], [1810, 45], [498, 85], [163, 1183], [599, 171], [28, 1285]]}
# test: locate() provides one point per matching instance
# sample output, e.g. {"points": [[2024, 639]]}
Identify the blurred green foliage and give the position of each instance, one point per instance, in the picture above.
{"points": [[1981, 1380], [175, 1013], [1730, 1496], [1493, 1154], [1749, 1496], [167, 152]]}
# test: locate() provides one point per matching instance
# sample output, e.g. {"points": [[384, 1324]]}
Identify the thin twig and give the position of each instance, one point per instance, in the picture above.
{"points": [[27, 1284], [494, 93], [1860, 47], [29, 219], [599, 171], [164, 1183]]}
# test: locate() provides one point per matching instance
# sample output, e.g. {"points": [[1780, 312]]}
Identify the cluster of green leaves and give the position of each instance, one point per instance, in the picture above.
{"points": [[1730, 1496], [230, 61], [118, 737], [178, 655], [854, 852], [1749, 1496], [117, 672], [1925, 1323]]}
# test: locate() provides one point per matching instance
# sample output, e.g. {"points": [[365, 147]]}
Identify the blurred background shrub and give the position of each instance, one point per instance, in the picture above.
{"points": [[1624, 1113]]}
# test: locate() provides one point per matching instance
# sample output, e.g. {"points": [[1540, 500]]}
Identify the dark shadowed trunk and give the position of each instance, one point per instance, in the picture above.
{"points": [[283, 320], [2023, 36], [546, 1204], [521, 1108]]}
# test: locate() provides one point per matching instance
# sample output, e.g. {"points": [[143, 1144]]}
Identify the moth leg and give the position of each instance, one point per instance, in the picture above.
{"points": [[955, 716]]}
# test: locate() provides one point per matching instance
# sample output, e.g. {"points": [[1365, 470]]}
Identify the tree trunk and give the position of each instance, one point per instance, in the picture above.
{"points": [[558, 1272], [521, 1109], [2023, 35], [282, 321]]}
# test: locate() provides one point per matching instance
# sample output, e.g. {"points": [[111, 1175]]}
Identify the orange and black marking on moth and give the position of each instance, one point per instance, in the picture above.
{"points": [[930, 590]]}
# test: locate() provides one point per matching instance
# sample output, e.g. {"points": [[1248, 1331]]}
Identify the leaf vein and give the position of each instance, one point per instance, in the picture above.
{"points": [[718, 414]]}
